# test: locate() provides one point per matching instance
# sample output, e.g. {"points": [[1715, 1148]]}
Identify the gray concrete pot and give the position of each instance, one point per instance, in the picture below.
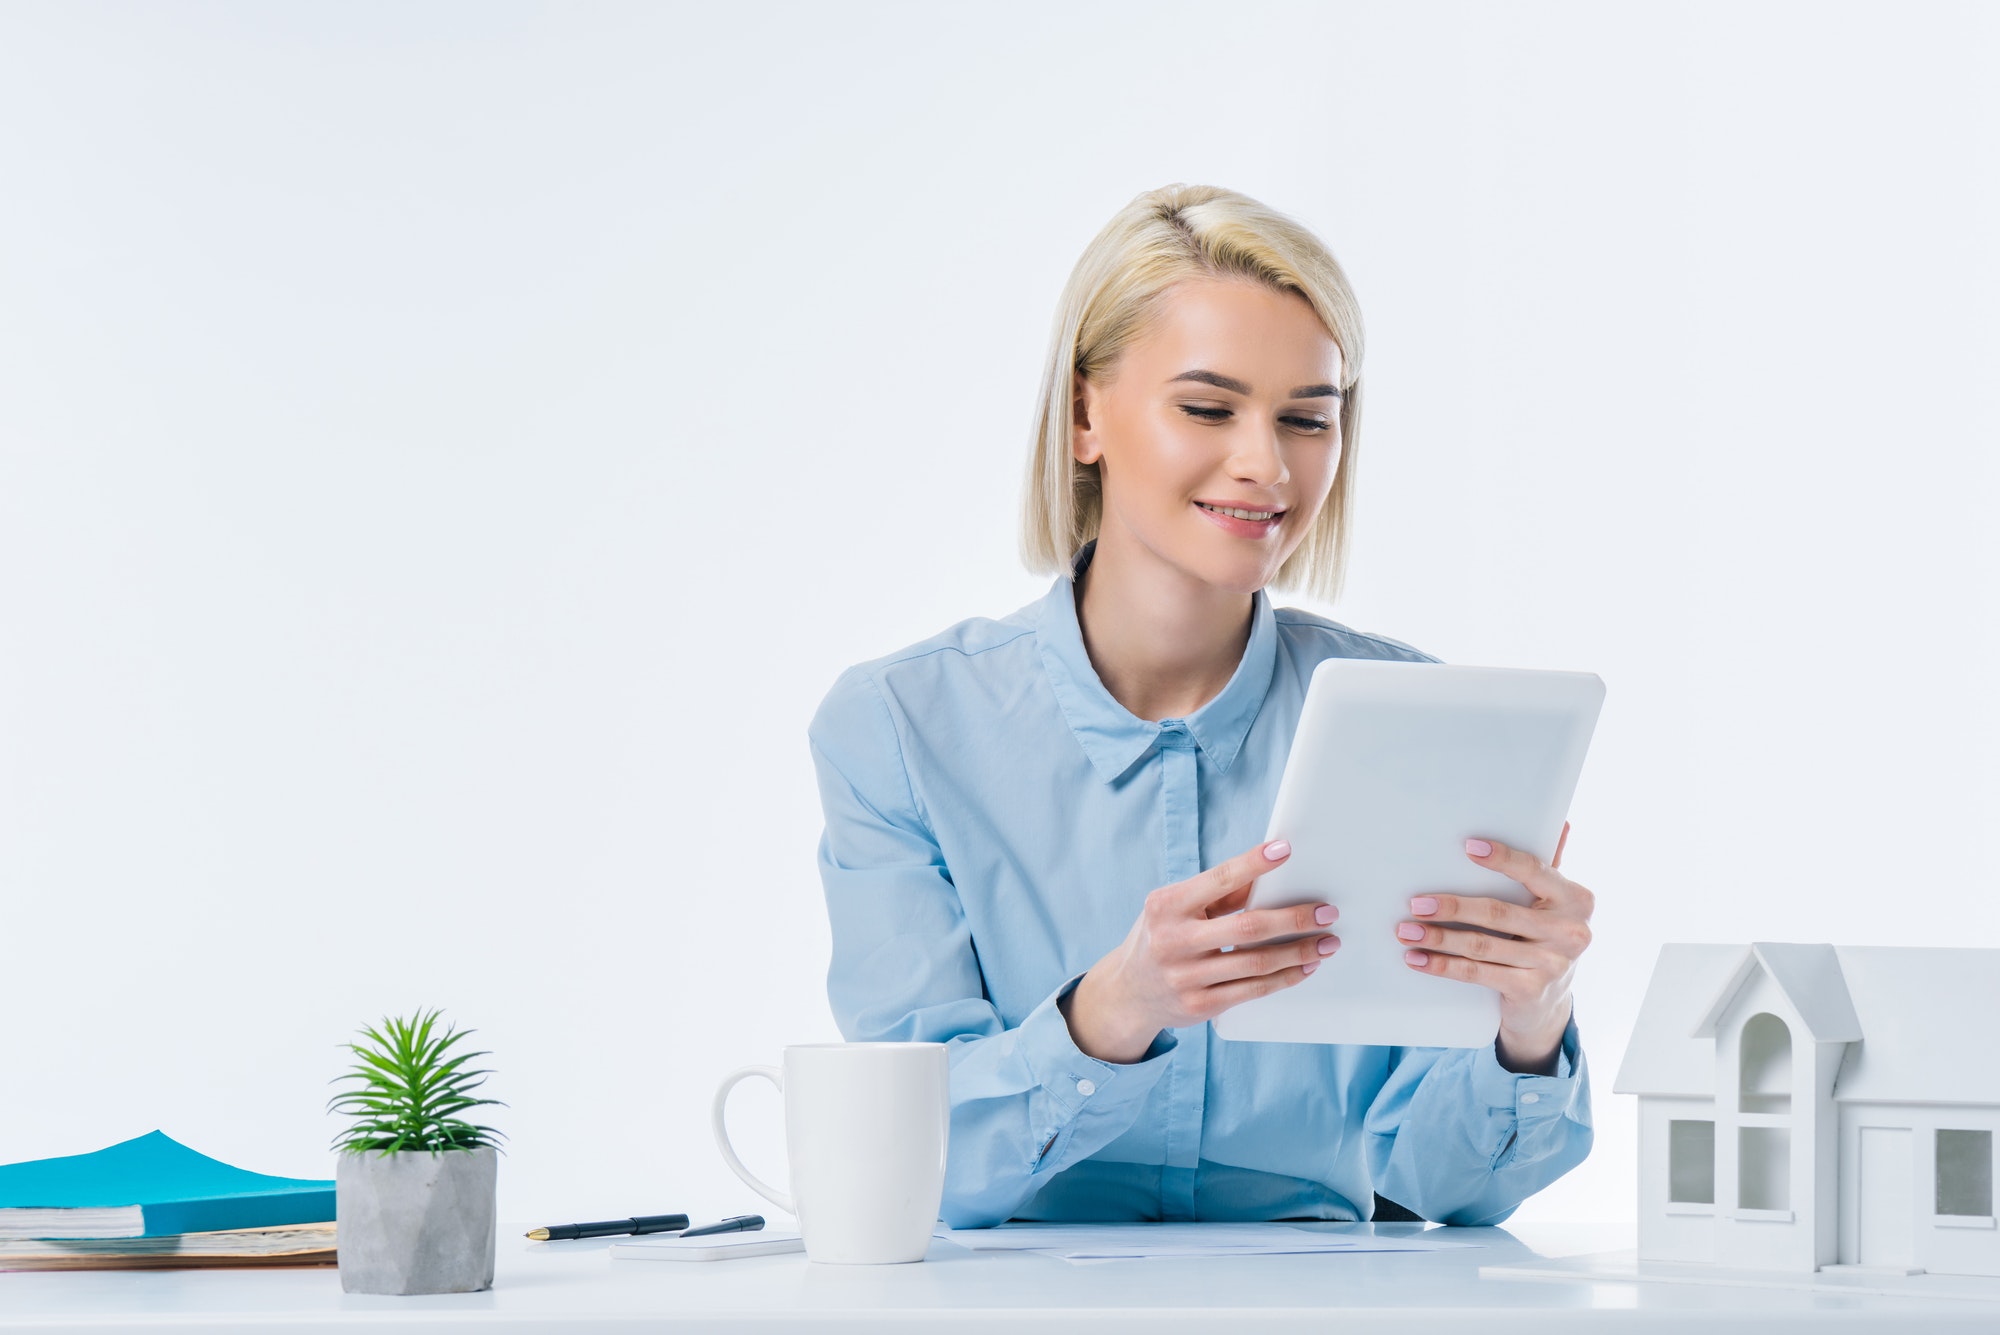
{"points": [[416, 1222]]}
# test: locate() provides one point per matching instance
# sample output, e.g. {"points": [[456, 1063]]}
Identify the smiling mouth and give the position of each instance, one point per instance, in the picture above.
{"points": [[1252, 515]]}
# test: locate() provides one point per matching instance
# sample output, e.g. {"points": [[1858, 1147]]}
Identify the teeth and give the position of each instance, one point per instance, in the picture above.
{"points": [[1239, 514]]}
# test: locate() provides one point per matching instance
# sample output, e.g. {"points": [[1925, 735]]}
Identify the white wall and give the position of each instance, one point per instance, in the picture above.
{"points": [[446, 452]]}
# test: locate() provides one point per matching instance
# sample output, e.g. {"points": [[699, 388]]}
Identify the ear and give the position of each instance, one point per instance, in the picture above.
{"points": [[1083, 446]]}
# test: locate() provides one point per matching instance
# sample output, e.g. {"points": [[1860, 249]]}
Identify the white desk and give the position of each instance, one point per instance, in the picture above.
{"points": [[564, 1287]]}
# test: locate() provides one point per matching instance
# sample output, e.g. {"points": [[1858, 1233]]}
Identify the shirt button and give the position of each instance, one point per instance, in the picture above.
{"points": [[1086, 1087], [1531, 1098]]}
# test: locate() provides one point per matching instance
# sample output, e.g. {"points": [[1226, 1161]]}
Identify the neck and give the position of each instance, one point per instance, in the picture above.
{"points": [[1163, 642]]}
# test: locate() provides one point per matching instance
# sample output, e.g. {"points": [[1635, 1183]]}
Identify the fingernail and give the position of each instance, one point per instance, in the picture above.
{"points": [[1479, 848], [1423, 904], [1416, 958], [1325, 914], [1276, 849], [1310, 967], [1410, 931], [1328, 944]]}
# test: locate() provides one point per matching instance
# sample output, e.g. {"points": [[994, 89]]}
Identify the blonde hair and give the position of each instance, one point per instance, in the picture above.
{"points": [[1119, 285]]}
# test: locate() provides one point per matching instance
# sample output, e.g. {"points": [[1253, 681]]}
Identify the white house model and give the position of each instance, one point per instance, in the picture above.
{"points": [[1805, 1106]]}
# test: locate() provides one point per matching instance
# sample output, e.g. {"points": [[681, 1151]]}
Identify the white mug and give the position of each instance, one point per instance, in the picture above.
{"points": [[865, 1132]]}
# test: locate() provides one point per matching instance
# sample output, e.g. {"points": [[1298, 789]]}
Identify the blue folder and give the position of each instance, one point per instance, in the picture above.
{"points": [[174, 1190]]}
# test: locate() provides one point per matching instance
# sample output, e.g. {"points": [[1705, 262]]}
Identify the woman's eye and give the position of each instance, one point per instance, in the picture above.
{"points": [[1309, 424]]}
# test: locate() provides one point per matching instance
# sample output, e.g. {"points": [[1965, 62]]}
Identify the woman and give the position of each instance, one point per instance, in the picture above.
{"points": [[1019, 811]]}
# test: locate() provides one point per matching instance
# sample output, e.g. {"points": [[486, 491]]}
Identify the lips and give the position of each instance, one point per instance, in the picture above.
{"points": [[1242, 528], [1253, 513]]}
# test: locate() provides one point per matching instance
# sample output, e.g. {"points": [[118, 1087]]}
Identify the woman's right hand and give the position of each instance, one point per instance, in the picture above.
{"points": [[1171, 969]]}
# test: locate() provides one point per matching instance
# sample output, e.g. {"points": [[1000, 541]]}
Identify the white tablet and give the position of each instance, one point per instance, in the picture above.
{"points": [[1393, 766]]}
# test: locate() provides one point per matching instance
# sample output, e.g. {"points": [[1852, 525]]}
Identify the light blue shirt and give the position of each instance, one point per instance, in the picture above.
{"points": [[994, 821]]}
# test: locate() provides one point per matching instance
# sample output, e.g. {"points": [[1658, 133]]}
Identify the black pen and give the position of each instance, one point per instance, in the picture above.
{"points": [[742, 1223], [607, 1228]]}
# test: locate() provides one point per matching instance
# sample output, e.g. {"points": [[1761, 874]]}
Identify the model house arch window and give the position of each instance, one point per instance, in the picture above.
{"points": [[1766, 1065], [1764, 1100]]}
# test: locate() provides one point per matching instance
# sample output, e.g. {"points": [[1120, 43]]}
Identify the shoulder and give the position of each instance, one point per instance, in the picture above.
{"points": [[1309, 637], [934, 667]]}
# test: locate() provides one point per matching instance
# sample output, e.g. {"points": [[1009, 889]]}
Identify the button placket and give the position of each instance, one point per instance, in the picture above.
{"points": [[1180, 825]]}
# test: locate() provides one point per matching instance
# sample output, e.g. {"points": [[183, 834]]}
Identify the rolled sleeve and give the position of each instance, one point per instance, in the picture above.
{"points": [[1467, 1140], [1083, 1091], [1524, 1094]]}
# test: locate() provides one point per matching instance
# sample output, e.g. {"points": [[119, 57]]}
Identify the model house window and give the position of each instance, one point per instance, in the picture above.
{"points": [[1965, 1173], [1764, 1168], [1766, 1065], [1691, 1162]]}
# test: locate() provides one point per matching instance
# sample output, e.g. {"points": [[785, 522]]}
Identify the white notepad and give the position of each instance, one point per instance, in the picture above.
{"points": [[714, 1247]]}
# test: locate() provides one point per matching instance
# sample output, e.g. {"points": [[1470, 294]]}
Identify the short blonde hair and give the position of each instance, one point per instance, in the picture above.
{"points": [[1161, 238]]}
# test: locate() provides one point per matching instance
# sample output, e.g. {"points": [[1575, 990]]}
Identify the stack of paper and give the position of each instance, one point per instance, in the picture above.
{"points": [[1104, 1242], [168, 1204], [288, 1245]]}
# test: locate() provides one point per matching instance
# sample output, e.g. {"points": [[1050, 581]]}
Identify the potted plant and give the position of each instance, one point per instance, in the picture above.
{"points": [[414, 1190]]}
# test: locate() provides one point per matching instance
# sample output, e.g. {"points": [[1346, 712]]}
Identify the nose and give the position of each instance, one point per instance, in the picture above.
{"points": [[1255, 458]]}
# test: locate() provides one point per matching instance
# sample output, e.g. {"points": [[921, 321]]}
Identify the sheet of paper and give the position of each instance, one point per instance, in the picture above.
{"points": [[1091, 1242]]}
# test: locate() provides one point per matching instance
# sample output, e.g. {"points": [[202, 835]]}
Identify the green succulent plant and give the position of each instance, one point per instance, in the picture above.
{"points": [[410, 1089]]}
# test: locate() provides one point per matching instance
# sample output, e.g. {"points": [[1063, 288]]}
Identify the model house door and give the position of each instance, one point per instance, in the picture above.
{"points": [[1887, 1196]]}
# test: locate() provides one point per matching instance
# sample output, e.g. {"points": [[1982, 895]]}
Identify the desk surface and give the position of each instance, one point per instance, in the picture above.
{"points": [[552, 1287]]}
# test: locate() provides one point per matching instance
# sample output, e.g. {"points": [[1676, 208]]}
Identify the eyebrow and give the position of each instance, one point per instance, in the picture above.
{"points": [[1236, 386]]}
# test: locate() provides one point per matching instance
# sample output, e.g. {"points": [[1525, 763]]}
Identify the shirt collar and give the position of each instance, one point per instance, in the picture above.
{"points": [[1110, 734]]}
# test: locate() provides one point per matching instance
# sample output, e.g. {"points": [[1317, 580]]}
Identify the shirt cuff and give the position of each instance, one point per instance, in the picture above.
{"points": [[1530, 1097], [1077, 1082]]}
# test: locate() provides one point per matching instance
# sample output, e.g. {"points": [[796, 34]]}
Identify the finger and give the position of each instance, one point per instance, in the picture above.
{"points": [[1222, 997], [1565, 930], [1482, 911], [1557, 860], [1229, 903], [1215, 970], [1478, 946], [1253, 926], [1204, 888], [1501, 978], [1543, 881]]}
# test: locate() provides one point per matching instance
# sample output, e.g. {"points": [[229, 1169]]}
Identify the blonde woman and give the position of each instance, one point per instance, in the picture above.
{"points": [[1039, 828]]}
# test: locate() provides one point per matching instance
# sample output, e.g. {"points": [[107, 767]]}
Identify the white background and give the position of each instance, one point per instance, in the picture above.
{"points": [[447, 451]]}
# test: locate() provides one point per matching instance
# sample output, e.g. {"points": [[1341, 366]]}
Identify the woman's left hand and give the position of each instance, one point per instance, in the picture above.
{"points": [[1531, 967]]}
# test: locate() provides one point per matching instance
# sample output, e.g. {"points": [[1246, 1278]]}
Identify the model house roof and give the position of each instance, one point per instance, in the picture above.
{"points": [[1922, 1023], [1811, 980]]}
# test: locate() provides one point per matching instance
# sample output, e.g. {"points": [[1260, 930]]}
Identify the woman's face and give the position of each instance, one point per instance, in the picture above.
{"points": [[1230, 400]]}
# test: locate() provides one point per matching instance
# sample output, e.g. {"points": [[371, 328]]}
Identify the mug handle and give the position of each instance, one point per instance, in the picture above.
{"points": [[720, 1121]]}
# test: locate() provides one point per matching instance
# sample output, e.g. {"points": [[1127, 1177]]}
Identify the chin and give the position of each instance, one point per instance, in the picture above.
{"points": [[1238, 572]]}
